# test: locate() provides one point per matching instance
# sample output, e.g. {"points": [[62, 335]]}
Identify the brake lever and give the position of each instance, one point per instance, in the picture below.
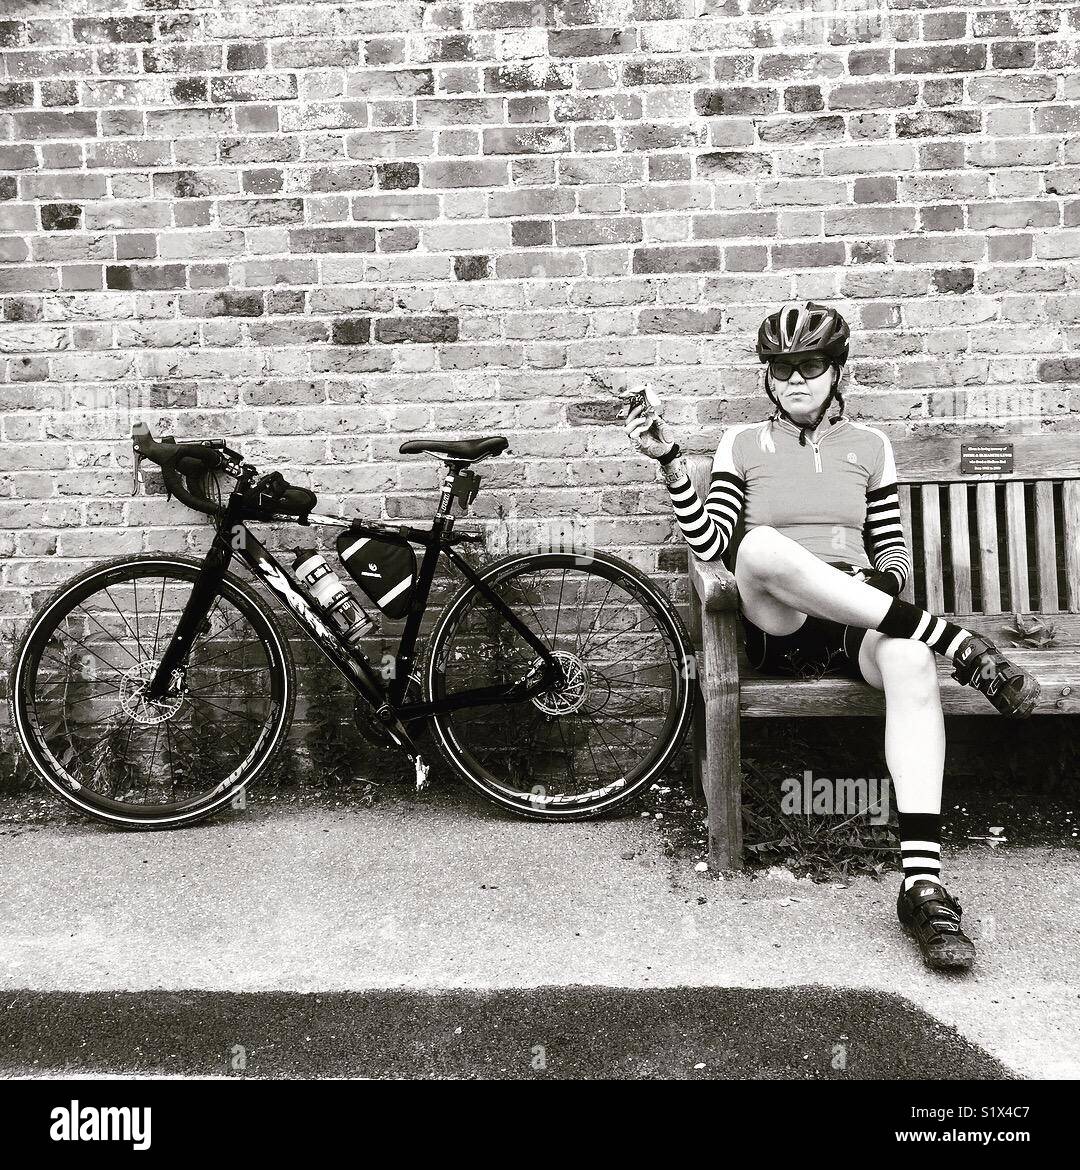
{"points": [[136, 474]]}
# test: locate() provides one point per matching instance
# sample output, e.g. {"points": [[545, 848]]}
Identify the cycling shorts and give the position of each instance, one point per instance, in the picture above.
{"points": [[817, 648]]}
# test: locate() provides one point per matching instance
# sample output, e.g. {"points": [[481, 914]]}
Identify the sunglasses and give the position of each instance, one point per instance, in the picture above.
{"points": [[810, 367]]}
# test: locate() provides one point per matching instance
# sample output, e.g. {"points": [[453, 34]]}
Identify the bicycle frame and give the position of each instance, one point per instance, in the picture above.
{"points": [[234, 538]]}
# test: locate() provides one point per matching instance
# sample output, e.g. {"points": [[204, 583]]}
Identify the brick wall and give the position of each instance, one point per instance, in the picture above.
{"points": [[320, 228]]}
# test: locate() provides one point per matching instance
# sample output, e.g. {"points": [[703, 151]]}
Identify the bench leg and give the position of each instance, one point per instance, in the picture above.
{"points": [[697, 755], [722, 764]]}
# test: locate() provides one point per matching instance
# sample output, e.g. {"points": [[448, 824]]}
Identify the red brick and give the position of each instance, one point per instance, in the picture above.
{"points": [[736, 99], [396, 330], [318, 221], [124, 30], [534, 140], [528, 77], [671, 259], [941, 59], [872, 95], [335, 239], [578, 232], [589, 42], [807, 255]]}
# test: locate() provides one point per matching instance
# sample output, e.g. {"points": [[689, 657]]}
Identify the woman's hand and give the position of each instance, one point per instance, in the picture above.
{"points": [[649, 433], [879, 579]]}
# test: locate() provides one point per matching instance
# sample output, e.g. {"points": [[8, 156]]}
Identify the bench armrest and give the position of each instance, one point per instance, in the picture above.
{"points": [[714, 584]]}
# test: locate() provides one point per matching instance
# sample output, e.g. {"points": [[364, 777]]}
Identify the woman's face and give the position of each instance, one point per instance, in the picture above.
{"points": [[801, 397]]}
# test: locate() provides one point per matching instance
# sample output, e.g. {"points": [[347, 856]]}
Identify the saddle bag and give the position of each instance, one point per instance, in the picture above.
{"points": [[384, 569]]}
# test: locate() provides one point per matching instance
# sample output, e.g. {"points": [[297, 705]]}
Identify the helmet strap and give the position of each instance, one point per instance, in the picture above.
{"points": [[807, 428]]}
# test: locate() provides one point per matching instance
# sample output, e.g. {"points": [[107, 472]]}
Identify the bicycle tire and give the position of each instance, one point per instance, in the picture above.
{"points": [[32, 644], [454, 754]]}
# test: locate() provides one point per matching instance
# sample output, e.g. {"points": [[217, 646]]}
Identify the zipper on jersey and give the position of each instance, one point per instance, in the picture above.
{"points": [[817, 456]]}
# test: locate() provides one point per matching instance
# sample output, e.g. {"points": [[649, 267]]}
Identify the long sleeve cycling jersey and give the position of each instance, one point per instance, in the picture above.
{"points": [[836, 496]]}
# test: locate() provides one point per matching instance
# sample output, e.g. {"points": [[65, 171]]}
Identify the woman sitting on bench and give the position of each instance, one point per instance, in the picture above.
{"points": [[819, 570]]}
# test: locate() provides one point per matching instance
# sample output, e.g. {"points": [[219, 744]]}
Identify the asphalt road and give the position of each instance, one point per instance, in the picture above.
{"points": [[543, 1033], [374, 908]]}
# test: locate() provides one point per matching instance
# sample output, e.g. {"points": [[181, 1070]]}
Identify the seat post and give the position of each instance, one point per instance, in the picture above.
{"points": [[443, 516]]}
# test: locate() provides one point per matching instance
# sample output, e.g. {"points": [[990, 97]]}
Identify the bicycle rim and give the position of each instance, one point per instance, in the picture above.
{"points": [[625, 706], [94, 738]]}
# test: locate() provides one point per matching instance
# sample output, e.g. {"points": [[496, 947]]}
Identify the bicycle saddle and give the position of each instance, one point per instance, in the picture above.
{"points": [[464, 449]]}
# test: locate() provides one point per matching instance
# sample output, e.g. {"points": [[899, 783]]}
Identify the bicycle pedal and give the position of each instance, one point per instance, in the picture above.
{"points": [[422, 771]]}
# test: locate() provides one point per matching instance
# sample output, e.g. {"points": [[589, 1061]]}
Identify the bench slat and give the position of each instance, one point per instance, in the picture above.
{"points": [[1066, 637], [960, 545], [1046, 546], [772, 697], [932, 559], [1016, 528], [936, 458], [986, 515], [1071, 510]]}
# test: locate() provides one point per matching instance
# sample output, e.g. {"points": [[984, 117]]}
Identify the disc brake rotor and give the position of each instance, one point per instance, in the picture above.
{"points": [[572, 694], [133, 700]]}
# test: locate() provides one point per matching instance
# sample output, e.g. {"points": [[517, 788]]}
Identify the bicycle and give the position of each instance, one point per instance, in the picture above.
{"points": [[161, 729]]}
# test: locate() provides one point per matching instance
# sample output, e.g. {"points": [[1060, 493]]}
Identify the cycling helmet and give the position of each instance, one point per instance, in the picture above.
{"points": [[798, 330]]}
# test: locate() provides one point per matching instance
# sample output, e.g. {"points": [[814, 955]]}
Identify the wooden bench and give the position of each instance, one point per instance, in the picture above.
{"points": [[984, 548]]}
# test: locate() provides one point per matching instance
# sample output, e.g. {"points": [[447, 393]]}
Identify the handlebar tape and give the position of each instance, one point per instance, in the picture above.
{"points": [[177, 460]]}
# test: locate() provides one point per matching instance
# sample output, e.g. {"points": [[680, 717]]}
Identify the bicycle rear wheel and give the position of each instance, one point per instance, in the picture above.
{"points": [[78, 694], [627, 701]]}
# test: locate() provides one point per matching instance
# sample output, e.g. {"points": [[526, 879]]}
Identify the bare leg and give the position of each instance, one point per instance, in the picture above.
{"points": [[914, 724], [780, 582]]}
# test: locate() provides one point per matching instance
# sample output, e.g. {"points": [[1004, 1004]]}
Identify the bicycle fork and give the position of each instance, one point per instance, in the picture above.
{"points": [[168, 679]]}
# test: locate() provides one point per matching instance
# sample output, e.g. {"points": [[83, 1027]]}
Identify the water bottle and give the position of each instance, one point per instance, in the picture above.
{"points": [[337, 602]]}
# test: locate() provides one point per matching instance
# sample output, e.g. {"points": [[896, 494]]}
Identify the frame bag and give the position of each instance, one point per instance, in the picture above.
{"points": [[386, 571]]}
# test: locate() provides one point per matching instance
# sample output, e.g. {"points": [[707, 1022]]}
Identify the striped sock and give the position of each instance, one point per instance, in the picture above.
{"points": [[904, 620], [920, 847]]}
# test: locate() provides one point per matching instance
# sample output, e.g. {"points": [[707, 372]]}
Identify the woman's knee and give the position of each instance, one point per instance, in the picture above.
{"points": [[907, 662], [761, 552]]}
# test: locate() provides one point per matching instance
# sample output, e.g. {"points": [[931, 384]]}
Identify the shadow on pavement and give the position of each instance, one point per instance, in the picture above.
{"points": [[543, 1033]]}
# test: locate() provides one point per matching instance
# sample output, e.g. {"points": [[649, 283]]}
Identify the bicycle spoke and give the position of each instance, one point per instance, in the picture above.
{"points": [[153, 754], [558, 612], [104, 741], [568, 753], [619, 633], [108, 635], [239, 673], [630, 707], [585, 645], [234, 714], [605, 743], [58, 634], [135, 600], [161, 610], [127, 624]]}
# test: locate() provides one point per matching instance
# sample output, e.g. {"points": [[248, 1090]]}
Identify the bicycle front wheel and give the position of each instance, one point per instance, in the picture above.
{"points": [[622, 711], [79, 705]]}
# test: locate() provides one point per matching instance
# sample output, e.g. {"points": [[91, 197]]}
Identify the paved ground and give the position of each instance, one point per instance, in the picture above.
{"points": [[535, 1033], [439, 892]]}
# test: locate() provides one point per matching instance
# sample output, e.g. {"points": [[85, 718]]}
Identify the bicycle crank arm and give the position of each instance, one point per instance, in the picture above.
{"points": [[517, 692], [403, 740]]}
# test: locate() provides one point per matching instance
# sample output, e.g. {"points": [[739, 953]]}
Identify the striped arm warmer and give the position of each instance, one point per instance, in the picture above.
{"points": [[708, 528], [884, 534]]}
